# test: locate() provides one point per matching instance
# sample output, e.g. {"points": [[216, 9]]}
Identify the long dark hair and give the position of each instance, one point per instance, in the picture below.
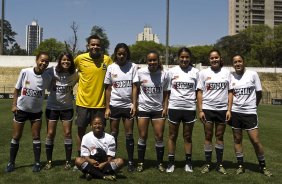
{"points": [[59, 67], [122, 45]]}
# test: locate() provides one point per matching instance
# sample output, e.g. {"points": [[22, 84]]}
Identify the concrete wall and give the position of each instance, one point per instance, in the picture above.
{"points": [[28, 61]]}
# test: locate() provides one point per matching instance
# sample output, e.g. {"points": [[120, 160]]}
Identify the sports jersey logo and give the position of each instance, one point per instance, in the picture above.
{"points": [[114, 75], [122, 84], [152, 90], [216, 86], [208, 78], [242, 91], [32, 93], [183, 85], [144, 81], [175, 77], [62, 89]]}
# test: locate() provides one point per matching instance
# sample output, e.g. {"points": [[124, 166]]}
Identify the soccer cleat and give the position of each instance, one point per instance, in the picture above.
{"points": [[48, 165], [221, 169], [140, 167], [130, 167], [161, 167], [10, 167], [240, 170], [206, 169], [88, 177], [170, 168], [67, 165], [110, 177], [36, 167], [188, 168], [75, 168], [266, 172]]}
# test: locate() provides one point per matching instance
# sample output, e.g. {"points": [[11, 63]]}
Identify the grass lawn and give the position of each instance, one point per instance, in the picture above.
{"points": [[270, 130]]}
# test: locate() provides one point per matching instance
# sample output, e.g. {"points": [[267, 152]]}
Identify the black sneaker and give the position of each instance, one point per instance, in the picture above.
{"points": [[36, 167], [88, 177], [10, 167], [130, 167]]}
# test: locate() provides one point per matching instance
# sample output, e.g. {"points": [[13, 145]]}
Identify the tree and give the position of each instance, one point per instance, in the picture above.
{"points": [[71, 46], [9, 35], [17, 50], [97, 30], [140, 49], [52, 47]]}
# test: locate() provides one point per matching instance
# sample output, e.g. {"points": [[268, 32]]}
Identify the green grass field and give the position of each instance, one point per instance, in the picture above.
{"points": [[270, 130]]}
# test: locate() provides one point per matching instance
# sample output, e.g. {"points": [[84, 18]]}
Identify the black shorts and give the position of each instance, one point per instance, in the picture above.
{"points": [[151, 115], [186, 116], [63, 115], [117, 113], [85, 115], [215, 116], [21, 116], [244, 121]]}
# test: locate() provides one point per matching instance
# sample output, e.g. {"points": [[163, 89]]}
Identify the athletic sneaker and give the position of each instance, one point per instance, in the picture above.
{"points": [[67, 165], [221, 169], [75, 168], [36, 167], [206, 169], [130, 167], [140, 167], [266, 172], [48, 165], [188, 168], [10, 167], [161, 167], [240, 170], [110, 178], [170, 168]]}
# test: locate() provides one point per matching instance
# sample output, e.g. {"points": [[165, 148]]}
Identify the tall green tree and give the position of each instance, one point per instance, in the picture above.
{"points": [[52, 46], [17, 50], [140, 49], [100, 31], [9, 35]]}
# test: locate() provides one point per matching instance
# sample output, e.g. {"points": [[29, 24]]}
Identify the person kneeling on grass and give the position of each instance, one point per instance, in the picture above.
{"points": [[98, 151]]}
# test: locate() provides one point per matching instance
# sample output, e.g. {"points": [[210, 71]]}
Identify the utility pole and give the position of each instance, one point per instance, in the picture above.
{"points": [[167, 33], [2, 29]]}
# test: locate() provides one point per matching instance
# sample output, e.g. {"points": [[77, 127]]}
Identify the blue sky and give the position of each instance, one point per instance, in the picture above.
{"points": [[192, 22]]}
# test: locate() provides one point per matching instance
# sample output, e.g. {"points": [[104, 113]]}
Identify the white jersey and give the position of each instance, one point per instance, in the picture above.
{"points": [[121, 78], [215, 86], [152, 86], [32, 88], [61, 90], [90, 143], [182, 87], [245, 87]]}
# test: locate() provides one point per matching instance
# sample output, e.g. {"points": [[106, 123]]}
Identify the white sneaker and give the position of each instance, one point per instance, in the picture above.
{"points": [[170, 168], [75, 168], [188, 168]]}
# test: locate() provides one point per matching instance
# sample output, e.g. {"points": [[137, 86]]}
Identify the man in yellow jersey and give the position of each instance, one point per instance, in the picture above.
{"points": [[90, 97]]}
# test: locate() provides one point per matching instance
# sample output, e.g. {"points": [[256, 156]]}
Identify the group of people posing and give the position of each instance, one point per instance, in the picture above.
{"points": [[118, 90]]}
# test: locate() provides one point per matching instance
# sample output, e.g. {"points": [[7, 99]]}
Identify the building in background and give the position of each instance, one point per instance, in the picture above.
{"points": [[147, 35], [34, 35], [244, 13]]}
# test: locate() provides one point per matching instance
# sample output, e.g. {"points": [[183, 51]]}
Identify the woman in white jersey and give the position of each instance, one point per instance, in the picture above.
{"points": [[182, 106], [247, 96], [214, 97], [152, 107], [28, 98], [121, 96], [60, 106]]}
